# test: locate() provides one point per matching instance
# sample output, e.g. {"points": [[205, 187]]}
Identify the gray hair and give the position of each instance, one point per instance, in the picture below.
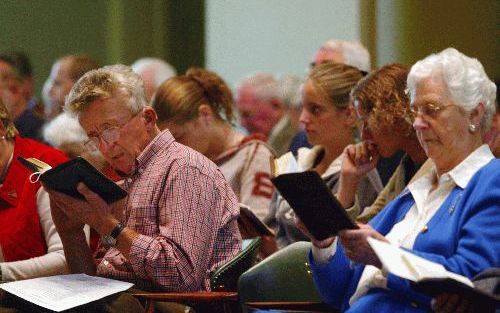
{"points": [[161, 70], [291, 94], [355, 54], [464, 78], [104, 83], [264, 86]]}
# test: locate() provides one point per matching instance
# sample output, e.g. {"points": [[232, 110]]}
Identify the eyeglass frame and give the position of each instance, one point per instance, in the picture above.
{"points": [[93, 143], [431, 110]]}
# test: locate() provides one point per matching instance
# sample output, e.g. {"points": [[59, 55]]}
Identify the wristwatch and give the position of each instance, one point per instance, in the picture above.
{"points": [[110, 240]]}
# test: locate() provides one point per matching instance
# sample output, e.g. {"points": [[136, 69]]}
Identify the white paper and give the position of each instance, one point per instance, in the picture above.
{"points": [[410, 266], [64, 292]]}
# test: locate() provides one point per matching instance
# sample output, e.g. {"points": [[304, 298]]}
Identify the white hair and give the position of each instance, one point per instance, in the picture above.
{"points": [[64, 129], [355, 54], [102, 83], [264, 86], [291, 95], [464, 78], [161, 70]]}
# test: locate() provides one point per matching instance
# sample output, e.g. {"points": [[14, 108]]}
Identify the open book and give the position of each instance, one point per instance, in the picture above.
{"points": [[66, 176], [426, 276], [310, 198]]}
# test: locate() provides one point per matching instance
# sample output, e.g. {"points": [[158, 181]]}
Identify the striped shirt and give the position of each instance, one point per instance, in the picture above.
{"points": [[185, 213]]}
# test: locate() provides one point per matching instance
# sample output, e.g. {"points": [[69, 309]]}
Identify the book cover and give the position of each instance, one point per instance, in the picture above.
{"points": [[66, 176], [310, 198]]}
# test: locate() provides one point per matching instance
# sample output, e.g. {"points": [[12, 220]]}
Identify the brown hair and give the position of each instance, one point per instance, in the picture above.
{"points": [[335, 80], [382, 96], [7, 122], [179, 98], [79, 65]]}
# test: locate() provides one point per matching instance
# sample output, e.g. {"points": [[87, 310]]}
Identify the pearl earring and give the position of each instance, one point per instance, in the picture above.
{"points": [[472, 128]]}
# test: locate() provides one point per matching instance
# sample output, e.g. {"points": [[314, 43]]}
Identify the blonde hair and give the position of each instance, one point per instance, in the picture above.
{"points": [[179, 98], [11, 130], [335, 80]]}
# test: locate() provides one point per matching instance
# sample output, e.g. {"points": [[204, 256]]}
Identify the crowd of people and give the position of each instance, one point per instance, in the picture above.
{"points": [[410, 151]]}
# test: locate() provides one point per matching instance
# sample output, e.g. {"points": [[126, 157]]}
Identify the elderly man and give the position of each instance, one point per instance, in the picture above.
{"points": [[153, 72], [260, 105], [63, 75], [179, 221], [16, 92]]}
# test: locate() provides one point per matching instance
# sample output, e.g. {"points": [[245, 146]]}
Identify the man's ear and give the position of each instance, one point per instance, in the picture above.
{"points": [[476, 115], [150, 117]]}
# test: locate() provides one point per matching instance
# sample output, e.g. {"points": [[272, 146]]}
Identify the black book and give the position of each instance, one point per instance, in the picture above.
{"points": [[313, 202], [66, 176]]}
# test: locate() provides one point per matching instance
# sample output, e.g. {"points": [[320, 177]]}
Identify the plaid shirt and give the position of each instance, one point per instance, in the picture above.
{"points": [[185, 213]]}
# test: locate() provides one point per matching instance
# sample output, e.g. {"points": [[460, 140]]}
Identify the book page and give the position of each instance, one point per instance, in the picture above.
{"points": [[410, 266], [63, 292], [285, 164]]}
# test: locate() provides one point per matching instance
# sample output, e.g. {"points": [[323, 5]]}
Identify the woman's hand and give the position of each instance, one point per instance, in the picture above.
{"points": [[357, 161], [356, 245], [452, 303], [317, 243]]}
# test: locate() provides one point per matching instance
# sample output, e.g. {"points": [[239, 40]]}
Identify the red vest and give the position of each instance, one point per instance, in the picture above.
{"points": [[21, 235]]}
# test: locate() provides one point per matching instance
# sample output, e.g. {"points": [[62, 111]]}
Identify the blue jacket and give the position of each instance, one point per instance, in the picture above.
{"points": [[463, 236]]}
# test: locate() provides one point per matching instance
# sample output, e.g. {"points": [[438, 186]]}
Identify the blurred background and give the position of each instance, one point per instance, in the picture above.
{"points": [[238, 37]]}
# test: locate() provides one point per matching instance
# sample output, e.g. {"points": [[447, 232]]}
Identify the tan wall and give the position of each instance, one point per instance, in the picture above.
{"points": [[408, 30]]}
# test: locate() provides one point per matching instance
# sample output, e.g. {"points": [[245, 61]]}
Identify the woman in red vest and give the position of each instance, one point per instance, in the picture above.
{"points": [[29, 243]]}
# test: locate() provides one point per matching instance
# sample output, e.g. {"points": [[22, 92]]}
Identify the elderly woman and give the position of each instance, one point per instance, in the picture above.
{"points": [[448, 216], [383, 112], [329, 123], [197, 108], [29, 243]]}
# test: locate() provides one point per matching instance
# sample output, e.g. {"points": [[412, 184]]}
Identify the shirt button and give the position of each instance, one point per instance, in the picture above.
{"points": [[414, 304], [141, 170], [129, 180], [106, 263]]}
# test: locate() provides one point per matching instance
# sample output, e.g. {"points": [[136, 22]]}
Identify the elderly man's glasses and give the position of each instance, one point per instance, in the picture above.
{"points": [[426, 110], [109, 136]]}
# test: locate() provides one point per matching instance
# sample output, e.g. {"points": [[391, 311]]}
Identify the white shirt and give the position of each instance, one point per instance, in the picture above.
{"points": [[427, 202]]}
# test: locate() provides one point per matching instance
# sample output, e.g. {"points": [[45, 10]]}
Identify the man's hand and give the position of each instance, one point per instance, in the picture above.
{"points": [[356, 245], [73, 212]]}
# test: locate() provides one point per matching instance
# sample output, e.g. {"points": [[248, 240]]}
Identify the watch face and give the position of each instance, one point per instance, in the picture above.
{"points": [[109, 241]]}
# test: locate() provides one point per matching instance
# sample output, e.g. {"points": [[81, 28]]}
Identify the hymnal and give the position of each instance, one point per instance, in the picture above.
{"points": [[310, 198], [66, 176]]}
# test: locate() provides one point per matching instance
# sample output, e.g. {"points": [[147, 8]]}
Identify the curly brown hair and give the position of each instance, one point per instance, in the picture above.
{"points": [[382, 95], [179, 98]]}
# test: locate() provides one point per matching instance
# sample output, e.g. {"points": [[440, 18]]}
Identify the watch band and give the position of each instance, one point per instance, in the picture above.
{"points": [[117, 230]]}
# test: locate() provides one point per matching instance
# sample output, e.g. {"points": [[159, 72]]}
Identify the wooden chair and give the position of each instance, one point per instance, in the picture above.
{"points": [[283, 281], [223, 296]]}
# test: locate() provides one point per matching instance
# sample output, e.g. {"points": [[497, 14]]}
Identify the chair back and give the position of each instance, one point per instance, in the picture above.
{"points": [[283, 276], [225, 278]]}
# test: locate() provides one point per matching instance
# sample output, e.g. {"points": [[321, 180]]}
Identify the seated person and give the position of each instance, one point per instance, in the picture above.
{"points": [[329, 123], [448, 216], [383, 112], [179, 221], [197, 109], [29, 243]]}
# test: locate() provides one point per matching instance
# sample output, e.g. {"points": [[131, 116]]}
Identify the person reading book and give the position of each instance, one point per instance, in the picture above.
{"points": [[197, 108], [329, 123], [448, 216], [383, 113], [29, 243], [179, 221]]}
